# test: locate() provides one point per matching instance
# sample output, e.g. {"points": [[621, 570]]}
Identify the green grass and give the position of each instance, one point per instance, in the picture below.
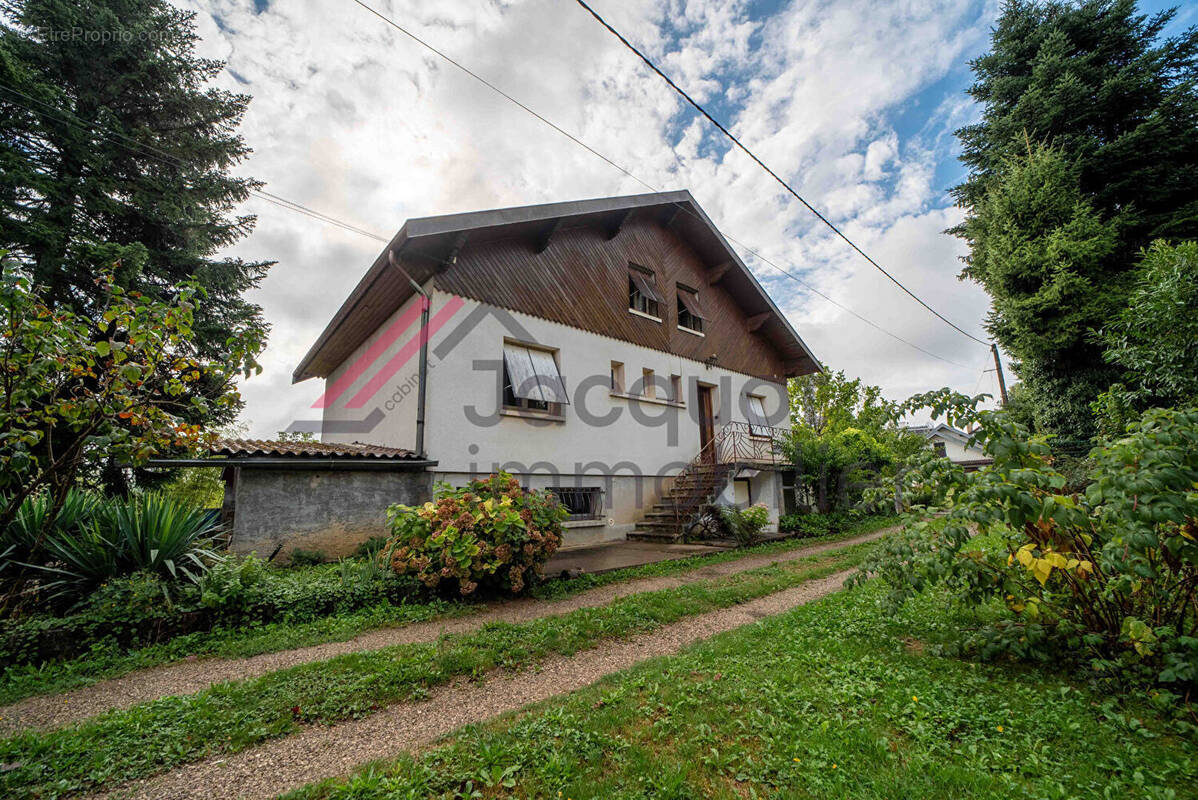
{"points": [[229, 717], [835, 699], [111, 661]]}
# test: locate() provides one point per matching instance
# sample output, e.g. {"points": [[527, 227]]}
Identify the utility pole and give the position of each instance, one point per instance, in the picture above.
{"points": [[1002, 383]]}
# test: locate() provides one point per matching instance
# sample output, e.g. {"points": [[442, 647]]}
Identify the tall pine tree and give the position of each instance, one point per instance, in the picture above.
{"points": [[113, 146], [1117, 106]]}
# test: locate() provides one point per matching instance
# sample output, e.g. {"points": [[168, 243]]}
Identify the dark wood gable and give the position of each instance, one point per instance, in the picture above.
{"points": [[578, 276]]}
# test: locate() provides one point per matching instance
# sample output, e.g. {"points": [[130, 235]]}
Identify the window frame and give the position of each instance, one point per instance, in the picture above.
{"points": [[511, 403], [690, 317], [593, 496], [646, 303]]}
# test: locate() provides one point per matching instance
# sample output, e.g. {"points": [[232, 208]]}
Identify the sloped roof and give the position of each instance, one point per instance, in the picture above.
{"points": [[427, 245], [300, 449]]}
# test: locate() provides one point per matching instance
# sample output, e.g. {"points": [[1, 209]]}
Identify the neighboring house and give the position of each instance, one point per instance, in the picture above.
{"points": [[615, 350], [953, 444]]}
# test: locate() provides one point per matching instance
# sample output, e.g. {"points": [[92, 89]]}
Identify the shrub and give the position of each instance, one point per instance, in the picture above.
{"points": [[744, 526], [1104, 577], [300, 557], [144, 533], [491, 534], [370, 548]]}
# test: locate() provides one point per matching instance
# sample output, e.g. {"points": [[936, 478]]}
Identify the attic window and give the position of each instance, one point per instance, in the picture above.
{"points": [[690, 314], [940, 449], [531, 380], [643, 297]]}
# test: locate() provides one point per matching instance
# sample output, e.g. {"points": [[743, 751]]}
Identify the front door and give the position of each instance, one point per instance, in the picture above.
{"points": [[706, 424]]}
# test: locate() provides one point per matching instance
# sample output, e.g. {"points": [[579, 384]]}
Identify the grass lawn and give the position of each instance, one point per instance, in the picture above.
{"points": [[229, 717], [835, 699], [109, 661]]}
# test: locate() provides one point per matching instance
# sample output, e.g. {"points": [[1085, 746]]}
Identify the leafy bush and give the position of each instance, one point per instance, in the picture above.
{"points": [[370, 548], [117, 537], [490, 534], [745, 526], [129, 612], [299, 557], [804, 526], [1104, 577]]}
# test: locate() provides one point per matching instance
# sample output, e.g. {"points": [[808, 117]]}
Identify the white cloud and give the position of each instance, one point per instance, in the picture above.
{"points": [[353, 118]]}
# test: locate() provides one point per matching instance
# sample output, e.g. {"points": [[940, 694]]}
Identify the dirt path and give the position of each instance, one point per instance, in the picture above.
{"points": [[192, 675], [318, 752]]}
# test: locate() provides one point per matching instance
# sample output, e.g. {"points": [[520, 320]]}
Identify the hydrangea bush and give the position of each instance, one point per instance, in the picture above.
{"points": [[490, 535]]}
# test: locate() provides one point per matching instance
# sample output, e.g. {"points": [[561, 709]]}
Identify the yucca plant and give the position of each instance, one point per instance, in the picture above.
{"points": [[145, 533], [23, 539]]}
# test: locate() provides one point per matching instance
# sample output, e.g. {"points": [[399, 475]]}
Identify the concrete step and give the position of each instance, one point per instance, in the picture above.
{"points": [[642, 535]]}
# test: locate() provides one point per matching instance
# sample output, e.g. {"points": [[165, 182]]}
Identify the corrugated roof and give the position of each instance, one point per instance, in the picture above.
{"points": [[277, 449]]}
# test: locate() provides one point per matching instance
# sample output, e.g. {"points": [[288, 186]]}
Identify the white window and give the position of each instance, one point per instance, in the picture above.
{"points": [[643, 296], [531, 380], [758, 424], [648, 383], [676, 388], [617, 377]]}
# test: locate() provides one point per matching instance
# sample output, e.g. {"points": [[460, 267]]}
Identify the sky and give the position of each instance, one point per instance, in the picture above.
{"points": [[854, 102]]}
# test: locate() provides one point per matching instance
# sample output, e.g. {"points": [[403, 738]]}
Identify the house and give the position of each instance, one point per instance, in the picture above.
{"points": [[616, 350], [953, 444]]}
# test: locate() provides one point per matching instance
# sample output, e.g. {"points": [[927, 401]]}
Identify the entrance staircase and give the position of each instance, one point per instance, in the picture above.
{"points": [[735, 445]]}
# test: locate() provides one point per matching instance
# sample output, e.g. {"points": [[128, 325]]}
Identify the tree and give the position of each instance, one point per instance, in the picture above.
{"points": [[842, 431], [110, 137], [1091, 119], [1048, 260], [76, 389], [1153, 339]]}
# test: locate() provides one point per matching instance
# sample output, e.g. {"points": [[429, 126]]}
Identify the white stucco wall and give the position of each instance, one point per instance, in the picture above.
{"points": [[641, 443], [955, 450]]}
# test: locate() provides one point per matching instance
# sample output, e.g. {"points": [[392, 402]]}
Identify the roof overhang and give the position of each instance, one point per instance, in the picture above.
{"points": [[424, 246]]}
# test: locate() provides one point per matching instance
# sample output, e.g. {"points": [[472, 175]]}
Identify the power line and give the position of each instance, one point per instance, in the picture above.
{"points": [[145, 148], [772, 174], [648, 186]]}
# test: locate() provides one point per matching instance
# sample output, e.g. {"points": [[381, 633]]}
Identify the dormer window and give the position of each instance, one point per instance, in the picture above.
{"points": [[643, 297], [690, 313]]}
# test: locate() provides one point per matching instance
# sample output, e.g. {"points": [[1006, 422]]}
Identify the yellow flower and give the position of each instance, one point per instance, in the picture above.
{"points": [[797, 760], [916, 699], [833, 766], [1000, 728]]}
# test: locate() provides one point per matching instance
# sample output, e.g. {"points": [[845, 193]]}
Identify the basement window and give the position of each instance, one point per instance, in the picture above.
{"points": [[690, 313], [581, 502], [643, 296], [531, 380]]}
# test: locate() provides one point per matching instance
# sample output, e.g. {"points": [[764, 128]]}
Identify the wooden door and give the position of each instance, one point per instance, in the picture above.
{"points": [[706, 424]]}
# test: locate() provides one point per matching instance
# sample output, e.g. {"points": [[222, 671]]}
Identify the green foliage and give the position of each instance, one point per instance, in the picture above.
{"points": [[123, 152], [491, 533], [809, 526], [201, 487], [229, 590], [1104, 577], [371, 547], [744, 525], [236, 593], [1153, 339], [300, 557], [231, 717], [1086, 151], [1048, 261], [77, 390], [844, 436], [94, 540]]}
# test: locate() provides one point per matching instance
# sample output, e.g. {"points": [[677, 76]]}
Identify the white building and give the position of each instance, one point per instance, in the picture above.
{"points": [[616, 350], [953, 444]]}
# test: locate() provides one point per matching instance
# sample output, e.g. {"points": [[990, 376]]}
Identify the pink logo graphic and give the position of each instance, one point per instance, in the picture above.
{"points": [[391, 335]]}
